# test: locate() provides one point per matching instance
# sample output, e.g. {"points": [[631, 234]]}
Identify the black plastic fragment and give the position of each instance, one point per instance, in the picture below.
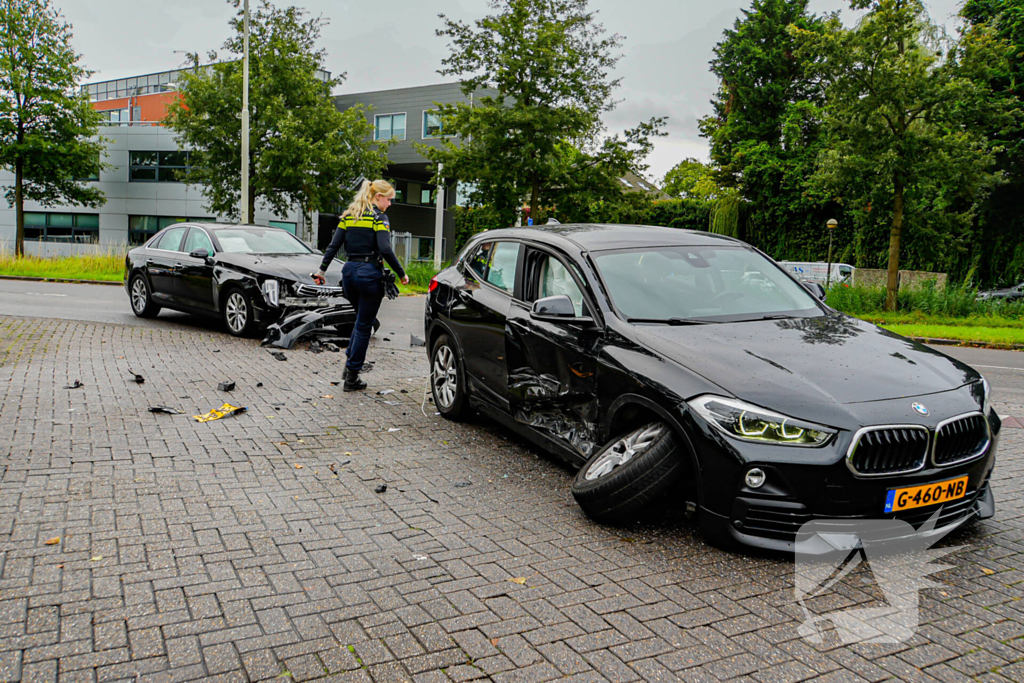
{"points": [[278, 355], [259, 384], [75, 385], [226, 386], [136, 377], [463, 484], [381, 488], [164, 409]]}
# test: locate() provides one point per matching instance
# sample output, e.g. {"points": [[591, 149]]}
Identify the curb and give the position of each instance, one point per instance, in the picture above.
{"points": [[964, 342], [60, 279]]}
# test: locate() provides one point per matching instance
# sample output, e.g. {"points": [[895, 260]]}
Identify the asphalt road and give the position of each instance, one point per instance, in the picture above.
{"points": [[400, 318]]}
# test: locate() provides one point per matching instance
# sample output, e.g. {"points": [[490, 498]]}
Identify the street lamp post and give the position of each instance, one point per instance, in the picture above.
{"points": [[832, 225], [245, 116]]}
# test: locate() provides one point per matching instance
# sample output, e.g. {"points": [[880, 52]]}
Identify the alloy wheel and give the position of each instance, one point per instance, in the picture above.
{"points": [[444, 377], [237, 312], [625, 449], [139, 295]]}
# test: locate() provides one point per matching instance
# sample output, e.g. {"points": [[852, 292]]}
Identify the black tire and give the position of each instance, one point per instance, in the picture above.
{"points": [[140, 297], [449, 392], [622, 489], [237, 313]]}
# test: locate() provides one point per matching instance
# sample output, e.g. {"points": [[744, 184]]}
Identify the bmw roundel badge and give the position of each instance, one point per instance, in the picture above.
{"points": [[920, 408]]}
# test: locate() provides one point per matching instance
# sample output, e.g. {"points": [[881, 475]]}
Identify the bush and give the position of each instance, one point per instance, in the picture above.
{"points": [[953, 301], [422, 272]]}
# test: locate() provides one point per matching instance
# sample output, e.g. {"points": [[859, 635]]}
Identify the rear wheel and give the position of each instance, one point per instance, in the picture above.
{"points": [[628, 473], [447, 381], [142, 302], [238, 313]]}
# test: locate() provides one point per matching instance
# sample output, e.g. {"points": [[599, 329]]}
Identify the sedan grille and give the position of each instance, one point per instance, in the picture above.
{"points": [[317, 290], [961, 439], [888, 450]]}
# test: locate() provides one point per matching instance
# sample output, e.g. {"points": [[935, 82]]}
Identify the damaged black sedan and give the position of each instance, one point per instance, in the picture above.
{"points": [[249, 276], [667, 361]]}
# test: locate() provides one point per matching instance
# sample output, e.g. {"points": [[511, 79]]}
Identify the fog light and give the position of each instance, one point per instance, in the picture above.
{"points": [[272, 292], [755, 478]]}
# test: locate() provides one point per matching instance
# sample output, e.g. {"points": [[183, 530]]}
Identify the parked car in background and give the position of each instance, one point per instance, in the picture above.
{"points": [[817, 271], [663, 361], [1015, 293], [245, 274]]}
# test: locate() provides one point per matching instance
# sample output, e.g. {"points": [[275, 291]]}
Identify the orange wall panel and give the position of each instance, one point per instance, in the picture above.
{"points": [[152, 107]]}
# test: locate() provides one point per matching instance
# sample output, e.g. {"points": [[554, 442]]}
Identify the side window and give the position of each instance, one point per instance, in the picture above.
{"points": [[171, 241], [553, 279], [479, 259], [198, 239], [501, 271]]}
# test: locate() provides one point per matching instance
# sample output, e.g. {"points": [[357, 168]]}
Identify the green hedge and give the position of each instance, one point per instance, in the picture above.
{"points": [[673, 213]]}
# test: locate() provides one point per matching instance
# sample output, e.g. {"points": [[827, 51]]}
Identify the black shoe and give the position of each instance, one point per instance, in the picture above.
{"points": [[351, 381]]}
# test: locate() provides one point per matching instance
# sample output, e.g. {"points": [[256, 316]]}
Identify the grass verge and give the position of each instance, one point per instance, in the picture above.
{"points": [[108, 267], [996, 336]]}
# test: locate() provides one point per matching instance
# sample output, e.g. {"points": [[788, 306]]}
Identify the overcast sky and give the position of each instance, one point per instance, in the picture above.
{"points": [[393, 44]]}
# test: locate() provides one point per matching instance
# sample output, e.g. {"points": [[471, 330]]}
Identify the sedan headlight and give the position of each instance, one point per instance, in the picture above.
{"points": [[750, 423], [272, 292], [986, 395]]}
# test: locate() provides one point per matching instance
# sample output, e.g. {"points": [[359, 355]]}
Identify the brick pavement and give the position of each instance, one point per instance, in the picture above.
{"points": [[255, 547]]}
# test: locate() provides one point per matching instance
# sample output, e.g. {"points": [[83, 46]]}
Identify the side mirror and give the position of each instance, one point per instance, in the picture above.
{"points": [[199, 253], [817, 290], [554, 307]]}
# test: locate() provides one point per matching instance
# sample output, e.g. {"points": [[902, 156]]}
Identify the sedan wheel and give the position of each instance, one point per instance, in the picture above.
{"points": [[446, 382], [238, 313], [142, 303], [628, 473]]}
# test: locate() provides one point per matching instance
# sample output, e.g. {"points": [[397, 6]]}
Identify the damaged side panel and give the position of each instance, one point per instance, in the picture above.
{"points": [[552, 378]]}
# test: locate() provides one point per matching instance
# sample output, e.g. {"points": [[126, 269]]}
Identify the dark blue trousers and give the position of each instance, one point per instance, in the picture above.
{"points": [[364, 288]]}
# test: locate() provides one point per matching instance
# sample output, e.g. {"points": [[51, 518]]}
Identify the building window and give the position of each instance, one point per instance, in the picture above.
{"points": [[626, 182], [162, 167], [423, 248], [389, 126], [116, 115], [431, 124], [425, 197], [79, 228], [284, 225], [141, 228]]}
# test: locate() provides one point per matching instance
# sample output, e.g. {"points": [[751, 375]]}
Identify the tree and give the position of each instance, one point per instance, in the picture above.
{"points": [[895, 111], [691, 179], [47, 126], [303, 151], [765, 131], [545, 66]]}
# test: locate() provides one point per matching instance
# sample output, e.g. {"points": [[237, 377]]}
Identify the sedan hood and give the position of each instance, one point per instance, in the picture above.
{"points": [[290, 267], [833, 359]]}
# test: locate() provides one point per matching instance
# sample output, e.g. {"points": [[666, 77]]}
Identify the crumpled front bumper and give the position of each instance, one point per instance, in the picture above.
{"points": [[338, 319]]}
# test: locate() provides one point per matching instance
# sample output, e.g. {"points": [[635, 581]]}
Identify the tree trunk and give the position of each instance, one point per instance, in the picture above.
{"points": [[252, 203], [534, 200], [894, 244], [19, 208]]}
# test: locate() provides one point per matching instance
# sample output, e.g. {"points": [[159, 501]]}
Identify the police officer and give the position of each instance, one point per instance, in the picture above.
{"points": [[365, 233]]}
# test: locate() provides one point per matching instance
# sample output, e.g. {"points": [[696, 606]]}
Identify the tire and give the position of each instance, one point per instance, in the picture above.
{"points": [[238, 313], [447, 379], [628, 473], [141, 301]]}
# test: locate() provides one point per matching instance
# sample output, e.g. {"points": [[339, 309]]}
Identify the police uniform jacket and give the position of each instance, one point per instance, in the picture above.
{"points": [[364, 237]]}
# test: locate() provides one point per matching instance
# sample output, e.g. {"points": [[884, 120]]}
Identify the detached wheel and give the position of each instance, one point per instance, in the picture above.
{"points": [[447, 382], [142, 302], [238, 313], [628, 473]]}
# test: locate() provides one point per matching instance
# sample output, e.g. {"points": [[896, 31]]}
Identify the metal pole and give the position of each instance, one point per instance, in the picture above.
{"points": [[439, 218], [245, 116], [828, 277]]}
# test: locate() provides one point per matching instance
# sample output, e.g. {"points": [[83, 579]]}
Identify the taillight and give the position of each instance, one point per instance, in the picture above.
{"points": [[433, 284]]}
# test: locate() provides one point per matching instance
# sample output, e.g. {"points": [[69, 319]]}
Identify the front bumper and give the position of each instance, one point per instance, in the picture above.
{"points": [[814, 484]]}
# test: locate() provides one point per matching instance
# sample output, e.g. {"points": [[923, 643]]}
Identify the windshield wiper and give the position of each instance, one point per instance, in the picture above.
{"points": [[671, 321], [777, 316]]}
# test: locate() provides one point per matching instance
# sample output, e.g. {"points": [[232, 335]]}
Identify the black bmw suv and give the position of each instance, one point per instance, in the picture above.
{"points": [[672, 361]]}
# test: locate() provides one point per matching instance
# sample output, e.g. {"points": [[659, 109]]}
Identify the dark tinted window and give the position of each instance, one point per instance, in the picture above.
{"points": [[171, 240]]}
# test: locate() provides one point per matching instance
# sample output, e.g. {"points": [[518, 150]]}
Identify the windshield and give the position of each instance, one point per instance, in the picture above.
{"points": [[721, 284], [260, 241]]}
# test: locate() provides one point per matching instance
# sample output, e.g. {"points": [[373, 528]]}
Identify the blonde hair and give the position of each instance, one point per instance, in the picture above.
{"points": [[367, 193]]}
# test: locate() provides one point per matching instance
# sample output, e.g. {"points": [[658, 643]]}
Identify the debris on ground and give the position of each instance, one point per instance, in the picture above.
{"points": [[381, 488], [75, 385], [463, 484], [53, 541], [136, 377], [297, 325], [164, 409], [385, 392], [387, 338], [226, 386], [394, 429], [278, 355], [314, 347], [225, 410], [327, 396], [216, 350], [416, 341], [329, 346], [259, 384]]}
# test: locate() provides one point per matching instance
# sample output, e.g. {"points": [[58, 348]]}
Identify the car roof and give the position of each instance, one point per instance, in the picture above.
{"points": [[600, 236]]}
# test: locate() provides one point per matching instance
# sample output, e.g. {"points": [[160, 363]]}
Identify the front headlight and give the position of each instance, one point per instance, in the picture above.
{"points": [[272, 292], [750, 423], [986, 395]]}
